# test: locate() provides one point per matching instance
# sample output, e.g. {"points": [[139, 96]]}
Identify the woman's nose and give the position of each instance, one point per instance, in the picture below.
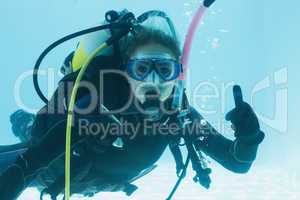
{"points": [[154, 78]]}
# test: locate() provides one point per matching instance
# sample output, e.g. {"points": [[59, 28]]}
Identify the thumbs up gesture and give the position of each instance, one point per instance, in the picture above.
{"points": [[244, 120]]}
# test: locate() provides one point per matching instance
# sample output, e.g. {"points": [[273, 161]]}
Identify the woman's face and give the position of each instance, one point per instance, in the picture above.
{"points": [[153, 83]]}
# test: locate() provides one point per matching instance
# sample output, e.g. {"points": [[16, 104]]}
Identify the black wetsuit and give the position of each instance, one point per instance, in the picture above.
{"points": [[98, 156]]}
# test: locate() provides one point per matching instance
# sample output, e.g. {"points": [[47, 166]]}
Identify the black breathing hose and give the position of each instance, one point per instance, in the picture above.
{"points": [[118, 25]]}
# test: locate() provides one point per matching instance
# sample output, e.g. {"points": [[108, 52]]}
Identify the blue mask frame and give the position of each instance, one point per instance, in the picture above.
{"points": [[148, 65]]}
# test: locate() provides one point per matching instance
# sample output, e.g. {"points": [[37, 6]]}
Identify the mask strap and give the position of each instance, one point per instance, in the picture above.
{"points": [[156, 13]]}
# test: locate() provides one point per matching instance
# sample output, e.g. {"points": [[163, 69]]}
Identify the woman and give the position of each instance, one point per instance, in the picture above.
{"points": [[137, 88]]}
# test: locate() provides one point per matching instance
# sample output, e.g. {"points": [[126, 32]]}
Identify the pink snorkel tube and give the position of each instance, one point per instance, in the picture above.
{"points": [[179, 91], [191, 33]]}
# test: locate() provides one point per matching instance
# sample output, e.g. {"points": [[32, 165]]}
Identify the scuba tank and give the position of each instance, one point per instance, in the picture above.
{"points": [[90, 42], [117, 23]]}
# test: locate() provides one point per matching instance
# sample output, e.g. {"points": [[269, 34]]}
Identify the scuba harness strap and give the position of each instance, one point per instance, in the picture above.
{"points": [[196, 157]]}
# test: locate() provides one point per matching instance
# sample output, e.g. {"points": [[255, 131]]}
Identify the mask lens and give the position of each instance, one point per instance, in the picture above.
{"points": [[142, 68], [139, 69], [168, 69]]}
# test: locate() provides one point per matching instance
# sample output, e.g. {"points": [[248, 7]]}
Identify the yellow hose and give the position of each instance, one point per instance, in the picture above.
{"points": [[70, 118]]}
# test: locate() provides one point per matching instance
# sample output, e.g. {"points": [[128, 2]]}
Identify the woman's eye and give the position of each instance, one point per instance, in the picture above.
{"points": [[141, 69], [165, 69]]}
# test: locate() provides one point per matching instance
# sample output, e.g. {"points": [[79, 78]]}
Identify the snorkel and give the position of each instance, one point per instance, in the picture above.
{"points": [[190, 37], [179, 90]]}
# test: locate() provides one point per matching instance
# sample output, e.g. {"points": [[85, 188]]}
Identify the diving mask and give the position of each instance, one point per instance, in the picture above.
{"points": [[167, 69]]}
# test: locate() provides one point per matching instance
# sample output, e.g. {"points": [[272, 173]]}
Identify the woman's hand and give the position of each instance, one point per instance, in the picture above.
{"points": [[244, 120]]}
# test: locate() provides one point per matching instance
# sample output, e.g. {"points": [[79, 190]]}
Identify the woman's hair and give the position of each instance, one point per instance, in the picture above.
{"points": [[154, 30]]}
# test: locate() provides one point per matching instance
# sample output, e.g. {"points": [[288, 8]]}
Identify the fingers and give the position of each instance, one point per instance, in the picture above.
{"points": [[238, 96], [243, 119], [230, 115], [241, 111]]}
